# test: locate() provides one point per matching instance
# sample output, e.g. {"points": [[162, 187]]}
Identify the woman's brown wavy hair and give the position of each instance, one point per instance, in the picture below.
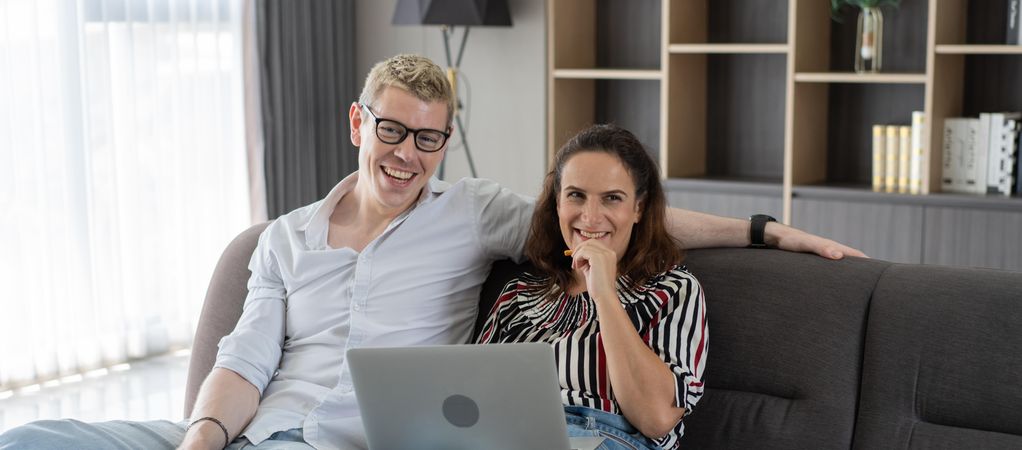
{"points": [[651, 250]]}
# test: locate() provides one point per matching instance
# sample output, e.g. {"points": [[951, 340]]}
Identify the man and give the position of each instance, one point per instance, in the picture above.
{"points": [[391, 257]]}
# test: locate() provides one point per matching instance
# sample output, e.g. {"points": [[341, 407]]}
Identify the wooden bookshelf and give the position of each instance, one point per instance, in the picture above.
{"points": [[762, 93]]}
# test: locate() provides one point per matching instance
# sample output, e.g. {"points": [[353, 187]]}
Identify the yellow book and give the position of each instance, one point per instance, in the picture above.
{"points": [[891, 159], [904, 157], [878, 158], [915, 175]]}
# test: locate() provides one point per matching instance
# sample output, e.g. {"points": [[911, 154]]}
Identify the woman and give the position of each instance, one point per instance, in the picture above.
{"points": [[627, 323]]}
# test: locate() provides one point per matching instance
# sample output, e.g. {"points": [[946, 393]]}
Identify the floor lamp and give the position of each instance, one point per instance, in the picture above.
{"points": [[450, 14]]}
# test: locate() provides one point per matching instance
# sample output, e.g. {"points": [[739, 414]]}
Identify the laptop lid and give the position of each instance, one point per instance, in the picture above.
{"points": [[498, 396]]}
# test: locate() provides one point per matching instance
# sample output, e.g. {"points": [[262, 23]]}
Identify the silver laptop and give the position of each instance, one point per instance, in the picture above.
{"points": [[498, 396]]}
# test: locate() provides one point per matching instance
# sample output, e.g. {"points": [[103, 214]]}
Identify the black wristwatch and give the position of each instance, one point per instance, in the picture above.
{"points": [[757, 226]]}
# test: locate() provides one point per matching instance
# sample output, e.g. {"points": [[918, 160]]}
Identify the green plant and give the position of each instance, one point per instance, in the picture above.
{"points": [[835, 5]]}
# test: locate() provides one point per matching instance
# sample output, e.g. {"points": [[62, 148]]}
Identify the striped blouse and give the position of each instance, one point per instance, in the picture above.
{"points": [[668, 311]]}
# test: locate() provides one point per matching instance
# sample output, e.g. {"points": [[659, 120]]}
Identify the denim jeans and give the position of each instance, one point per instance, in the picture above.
{"points": [[120, 434], [618, 434]]}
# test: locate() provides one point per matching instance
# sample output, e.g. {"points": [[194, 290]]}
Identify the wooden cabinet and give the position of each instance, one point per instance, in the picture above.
{"points": [[755, 101]]}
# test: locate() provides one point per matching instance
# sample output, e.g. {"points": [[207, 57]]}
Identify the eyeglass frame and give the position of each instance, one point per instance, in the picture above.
{"points": [[414, 132]]}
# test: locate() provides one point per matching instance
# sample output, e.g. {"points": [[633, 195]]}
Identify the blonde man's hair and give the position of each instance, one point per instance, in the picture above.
{"points": [[416, 75]]}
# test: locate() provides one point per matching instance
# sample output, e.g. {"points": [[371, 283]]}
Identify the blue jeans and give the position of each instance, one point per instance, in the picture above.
{"points": [[121, 434], [618, 434]]}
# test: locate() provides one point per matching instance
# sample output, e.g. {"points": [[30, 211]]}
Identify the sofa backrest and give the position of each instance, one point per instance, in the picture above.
{"points": [[943, 361], [786, 345]]}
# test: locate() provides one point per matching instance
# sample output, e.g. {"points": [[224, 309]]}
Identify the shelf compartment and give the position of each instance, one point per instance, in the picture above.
{"points": [[608, 74], [904, 38], [728, 21], [991, 83], [728, 48], [592, 34], [853, 110], [630, 104], [745, 116], [730, 124], [834, 142], [863, 78]]}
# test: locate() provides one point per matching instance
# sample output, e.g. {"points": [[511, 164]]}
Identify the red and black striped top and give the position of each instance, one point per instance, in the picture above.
{"points": [[668, 311]]}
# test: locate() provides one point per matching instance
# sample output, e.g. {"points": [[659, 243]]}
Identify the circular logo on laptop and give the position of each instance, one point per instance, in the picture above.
{"points": [[461, 411]]}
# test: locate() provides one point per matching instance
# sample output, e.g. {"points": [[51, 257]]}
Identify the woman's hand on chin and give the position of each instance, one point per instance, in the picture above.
{"points": [[598, 263]]}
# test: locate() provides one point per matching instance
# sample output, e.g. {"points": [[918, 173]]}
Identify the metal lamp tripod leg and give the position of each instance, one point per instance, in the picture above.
{"points": [[447, 32]]}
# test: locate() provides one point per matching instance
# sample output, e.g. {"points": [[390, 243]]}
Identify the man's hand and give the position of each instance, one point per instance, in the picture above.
{"points": [[795, 240], [202, 436]]}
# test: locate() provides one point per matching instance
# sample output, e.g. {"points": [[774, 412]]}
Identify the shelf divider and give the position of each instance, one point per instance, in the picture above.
{"points": [[608, 74], [851, 77], [728, 48], [972, 49]]}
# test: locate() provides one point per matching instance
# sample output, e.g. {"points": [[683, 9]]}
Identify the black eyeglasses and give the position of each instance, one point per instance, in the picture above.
{"points": [[394, 132]]}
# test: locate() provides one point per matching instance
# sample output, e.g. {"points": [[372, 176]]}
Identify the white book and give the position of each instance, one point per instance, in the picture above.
{"points": [[999, 149], [879, 148], [976, 178], [915, 175], [969, 167], [904, 152], [947, 156], [959, 138], [891, 159]]}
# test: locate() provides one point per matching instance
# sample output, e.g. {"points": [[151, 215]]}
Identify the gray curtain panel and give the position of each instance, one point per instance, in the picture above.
{"points": [[308, 80]]}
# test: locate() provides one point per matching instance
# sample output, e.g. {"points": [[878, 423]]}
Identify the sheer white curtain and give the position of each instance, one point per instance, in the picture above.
{"points": [[123, 175]]}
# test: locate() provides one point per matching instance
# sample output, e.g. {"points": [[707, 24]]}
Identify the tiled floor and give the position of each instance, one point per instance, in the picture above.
{"points": [[147, 390]]}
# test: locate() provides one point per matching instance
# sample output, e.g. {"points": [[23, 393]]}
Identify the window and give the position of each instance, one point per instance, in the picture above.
{"points": [[123, 175]]}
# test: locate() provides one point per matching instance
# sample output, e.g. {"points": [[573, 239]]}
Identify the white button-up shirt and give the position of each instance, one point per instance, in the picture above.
{"points": [[417, 283]]}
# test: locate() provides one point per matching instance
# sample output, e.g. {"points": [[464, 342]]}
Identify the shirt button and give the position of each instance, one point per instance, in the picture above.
{"points": [[357, 307]]}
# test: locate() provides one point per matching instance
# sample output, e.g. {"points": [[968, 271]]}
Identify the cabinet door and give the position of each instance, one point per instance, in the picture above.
{"points": [[889, 232], [727, 205], [973, 237]]}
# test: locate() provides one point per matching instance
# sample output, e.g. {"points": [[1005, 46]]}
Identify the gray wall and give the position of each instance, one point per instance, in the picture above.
{"points": [[506, 69]]}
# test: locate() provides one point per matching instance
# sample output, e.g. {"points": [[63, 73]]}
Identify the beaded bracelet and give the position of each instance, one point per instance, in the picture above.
{"points": [[227, 438]]}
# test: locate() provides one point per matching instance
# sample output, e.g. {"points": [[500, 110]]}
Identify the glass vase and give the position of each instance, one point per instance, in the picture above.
{"points": [[869, 41]]}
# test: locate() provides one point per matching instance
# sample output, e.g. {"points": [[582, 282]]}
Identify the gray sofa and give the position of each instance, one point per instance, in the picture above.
{"points": [[807, 353]]}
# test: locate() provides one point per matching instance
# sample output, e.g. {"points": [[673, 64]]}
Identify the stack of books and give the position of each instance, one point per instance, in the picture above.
{"points": [[898, 157], [980, 156]]}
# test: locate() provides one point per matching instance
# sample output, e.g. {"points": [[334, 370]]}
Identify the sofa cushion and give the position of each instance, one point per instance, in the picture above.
{"points": [[943, 361], [786, 342]]}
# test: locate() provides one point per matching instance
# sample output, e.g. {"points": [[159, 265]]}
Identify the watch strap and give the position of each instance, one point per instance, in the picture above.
{"points": [[757, 230]]}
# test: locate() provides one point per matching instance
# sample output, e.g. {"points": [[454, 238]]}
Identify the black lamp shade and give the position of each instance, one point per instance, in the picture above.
{"points": [[452, 12]]}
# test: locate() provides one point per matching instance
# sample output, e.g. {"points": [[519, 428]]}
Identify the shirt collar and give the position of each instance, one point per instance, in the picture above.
{"points": [[318, 223]]}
